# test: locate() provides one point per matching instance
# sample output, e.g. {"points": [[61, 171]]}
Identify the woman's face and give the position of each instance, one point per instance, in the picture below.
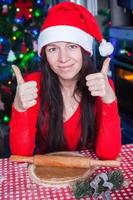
{"points": [[65, 59]]}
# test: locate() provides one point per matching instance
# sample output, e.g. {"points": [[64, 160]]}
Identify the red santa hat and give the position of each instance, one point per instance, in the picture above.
{"points": [[70, 22]]}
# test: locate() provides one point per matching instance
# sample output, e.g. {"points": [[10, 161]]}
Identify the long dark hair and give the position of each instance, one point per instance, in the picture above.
{"points": [[51, 102]]}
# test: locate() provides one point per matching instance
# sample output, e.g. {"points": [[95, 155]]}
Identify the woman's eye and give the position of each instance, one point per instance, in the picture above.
{"points": [[73, 46], [52, 49]]}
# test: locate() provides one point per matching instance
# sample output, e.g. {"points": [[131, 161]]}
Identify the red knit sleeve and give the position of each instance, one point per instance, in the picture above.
{"points": [[109, 131], [23, 127]]}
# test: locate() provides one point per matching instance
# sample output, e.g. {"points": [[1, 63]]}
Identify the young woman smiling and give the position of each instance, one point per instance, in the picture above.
{"points": [[69, 104]]}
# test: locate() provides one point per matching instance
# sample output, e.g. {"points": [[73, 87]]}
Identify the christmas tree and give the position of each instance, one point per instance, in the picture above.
{"points": [[20, 23]]}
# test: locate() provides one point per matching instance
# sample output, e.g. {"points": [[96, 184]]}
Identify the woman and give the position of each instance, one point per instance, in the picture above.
{"points": [[68, 105]]}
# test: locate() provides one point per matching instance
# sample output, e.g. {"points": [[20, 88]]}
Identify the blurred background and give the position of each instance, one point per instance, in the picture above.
{"points": [[20, 22]]}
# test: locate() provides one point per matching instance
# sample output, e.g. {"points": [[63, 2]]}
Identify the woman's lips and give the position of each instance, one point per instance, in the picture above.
{"points": [[66, 67]]}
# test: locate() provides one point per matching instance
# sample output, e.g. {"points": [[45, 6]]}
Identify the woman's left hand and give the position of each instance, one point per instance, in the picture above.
{"points": [[98, 84]]}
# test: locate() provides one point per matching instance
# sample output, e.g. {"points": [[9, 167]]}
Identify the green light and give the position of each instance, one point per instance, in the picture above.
{"points": [[37, 13], [6, 118], [32, 54], [18, 33], [21, 55]]}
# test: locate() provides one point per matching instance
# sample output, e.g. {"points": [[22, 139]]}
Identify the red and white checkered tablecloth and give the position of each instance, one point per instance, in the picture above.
{"points": [[15, 183]]}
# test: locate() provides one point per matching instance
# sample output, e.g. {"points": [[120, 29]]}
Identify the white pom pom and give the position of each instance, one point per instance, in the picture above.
{"points": [[106, 48]]}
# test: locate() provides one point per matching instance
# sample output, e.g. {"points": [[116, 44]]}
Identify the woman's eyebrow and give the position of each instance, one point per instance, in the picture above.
{"points": [[49, 45]]}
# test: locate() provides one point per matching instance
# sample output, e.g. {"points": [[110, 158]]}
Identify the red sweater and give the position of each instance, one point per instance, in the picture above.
{"points": [[23, 128]]}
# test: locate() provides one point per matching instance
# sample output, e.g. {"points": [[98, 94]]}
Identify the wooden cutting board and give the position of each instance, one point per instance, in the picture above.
{"points": [[58, 176]]}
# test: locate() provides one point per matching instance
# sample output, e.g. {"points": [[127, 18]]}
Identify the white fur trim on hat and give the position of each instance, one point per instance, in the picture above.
{"points": [[105, 48], [67, 34]]}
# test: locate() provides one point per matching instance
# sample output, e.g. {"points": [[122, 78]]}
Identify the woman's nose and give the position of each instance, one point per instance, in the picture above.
{"points": [[63, 55]]}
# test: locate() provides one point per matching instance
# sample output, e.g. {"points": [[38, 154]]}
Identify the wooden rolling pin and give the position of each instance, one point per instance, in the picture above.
{"points": [[64, 161]]}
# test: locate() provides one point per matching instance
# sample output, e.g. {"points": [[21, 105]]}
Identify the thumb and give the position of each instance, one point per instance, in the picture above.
{"points": [[18, 74], [105, 66]]}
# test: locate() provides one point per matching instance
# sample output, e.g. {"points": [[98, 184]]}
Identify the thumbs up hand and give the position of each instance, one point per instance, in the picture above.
{"points": [[98, 84], [26, 92]]}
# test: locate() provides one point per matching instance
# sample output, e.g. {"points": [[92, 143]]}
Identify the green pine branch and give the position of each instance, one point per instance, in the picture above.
{"points": [[83, 188]]}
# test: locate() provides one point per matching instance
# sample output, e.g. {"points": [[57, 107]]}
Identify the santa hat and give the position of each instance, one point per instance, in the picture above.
{"points": [[70, 22]]}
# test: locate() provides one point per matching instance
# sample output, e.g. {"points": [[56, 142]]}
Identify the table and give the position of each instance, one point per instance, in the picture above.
{"points": [[15, 183]]}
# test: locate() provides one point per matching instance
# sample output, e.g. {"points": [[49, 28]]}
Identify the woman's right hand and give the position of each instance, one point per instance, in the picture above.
{"points": [[26, 92]]}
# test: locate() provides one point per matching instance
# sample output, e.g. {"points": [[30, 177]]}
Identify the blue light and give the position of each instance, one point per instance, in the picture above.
{"points": [[1, 59], [1, 39], [6, 1], [38, 1], [35, 32], [19, 21]]}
